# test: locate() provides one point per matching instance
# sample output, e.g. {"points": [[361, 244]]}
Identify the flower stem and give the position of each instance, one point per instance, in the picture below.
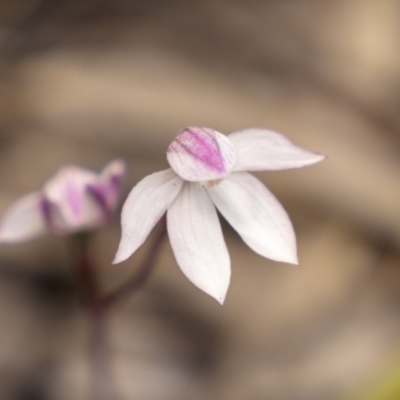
{"points": [[98, 305], [137, 280], [103, 385], [102, 382]]}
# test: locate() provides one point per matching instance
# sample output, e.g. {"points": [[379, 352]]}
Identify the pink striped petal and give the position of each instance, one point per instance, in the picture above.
{"points": [[262, 149], [144, 207], [69, 206], [201, 154], [107, 189], [256, 215], [197, 241]]}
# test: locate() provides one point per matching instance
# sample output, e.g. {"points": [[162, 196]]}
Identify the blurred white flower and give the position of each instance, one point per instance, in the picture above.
{"points": [[73, 200], [207, 171]]}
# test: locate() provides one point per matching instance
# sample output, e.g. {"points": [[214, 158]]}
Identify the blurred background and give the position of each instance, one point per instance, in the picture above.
{"points": [[87, 81]]}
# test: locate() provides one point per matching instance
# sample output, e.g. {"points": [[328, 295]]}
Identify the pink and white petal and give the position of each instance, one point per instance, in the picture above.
{"points": [[262, 149], [114, 170], [144, 207], [201, 154], [107, 189], [197, 241], [23, 220], [62, 222], [257, 216], [67, 190]]}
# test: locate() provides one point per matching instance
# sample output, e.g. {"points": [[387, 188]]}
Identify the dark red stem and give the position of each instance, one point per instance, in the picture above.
{"points": [[102, 382], [103, 387], [137, 280]]}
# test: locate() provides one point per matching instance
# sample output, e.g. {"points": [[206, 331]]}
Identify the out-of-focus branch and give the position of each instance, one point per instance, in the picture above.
{"points": [[23, 31]]}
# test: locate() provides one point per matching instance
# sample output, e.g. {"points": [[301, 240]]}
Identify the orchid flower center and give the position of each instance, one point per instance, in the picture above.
{"points": [[201, 155]]}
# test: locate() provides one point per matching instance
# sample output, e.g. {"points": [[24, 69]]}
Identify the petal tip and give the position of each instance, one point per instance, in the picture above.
{"points": [[291, 259], [314, 158], [284, 258], [320, 157], [115, 169], [219, 293], [219, 297], [116, 260], [9, 238], [296, 263], [120, 256], [23, 220]]}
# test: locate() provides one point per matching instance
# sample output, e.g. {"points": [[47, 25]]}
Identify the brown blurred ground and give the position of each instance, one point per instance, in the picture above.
{"points": [[88, 81]]}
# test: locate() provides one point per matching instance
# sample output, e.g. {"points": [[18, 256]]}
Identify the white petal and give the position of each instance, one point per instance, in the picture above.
{"points": [[262, 149], [256, 215], [201, 154], [197, 241], [23, 220], [144, 207]]}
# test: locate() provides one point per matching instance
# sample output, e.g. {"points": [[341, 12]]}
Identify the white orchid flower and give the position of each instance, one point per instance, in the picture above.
{"points": [[73, 200], [208, 171]]}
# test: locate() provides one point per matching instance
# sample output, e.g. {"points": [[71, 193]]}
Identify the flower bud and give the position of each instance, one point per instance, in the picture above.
{"points": [[73, 200]]}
